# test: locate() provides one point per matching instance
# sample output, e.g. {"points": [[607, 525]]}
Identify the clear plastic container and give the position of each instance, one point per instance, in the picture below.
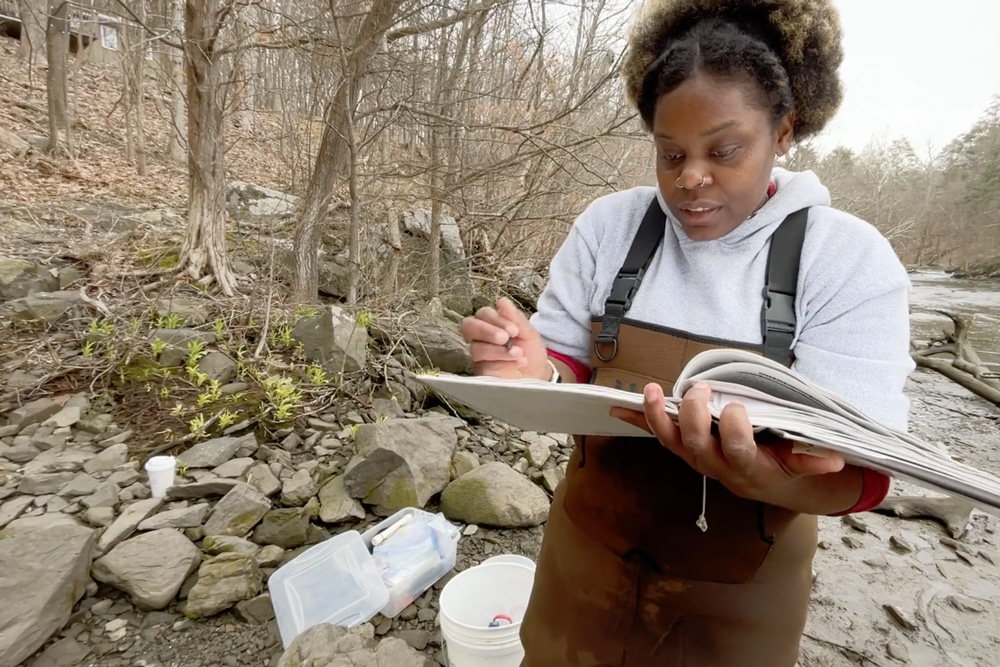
{"points": [[414, 556], [334, 582]]}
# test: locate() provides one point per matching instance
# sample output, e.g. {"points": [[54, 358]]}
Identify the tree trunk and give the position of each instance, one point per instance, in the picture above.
{"points": [[203, 255], [178, 114], [33, 29], [333, 158], [133, 69], [57, 48]]}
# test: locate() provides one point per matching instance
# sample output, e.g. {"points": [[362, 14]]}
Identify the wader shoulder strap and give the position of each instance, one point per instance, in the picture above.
{"points": [[780, 285], [647, 239]]}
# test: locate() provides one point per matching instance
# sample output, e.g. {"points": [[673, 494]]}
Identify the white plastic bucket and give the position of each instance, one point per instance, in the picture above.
{"points": [[161, 470], [469, 602], [510, 558]]}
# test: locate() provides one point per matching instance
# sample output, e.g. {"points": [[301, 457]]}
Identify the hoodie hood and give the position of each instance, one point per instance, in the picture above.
{"points": [[796, 190]]}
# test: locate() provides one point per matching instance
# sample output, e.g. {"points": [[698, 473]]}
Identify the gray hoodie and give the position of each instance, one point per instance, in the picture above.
{"points": [[853, 330]]}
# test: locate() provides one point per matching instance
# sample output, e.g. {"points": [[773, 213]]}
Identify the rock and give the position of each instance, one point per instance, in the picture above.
{"points": [[495, 495], [81, 485], [53, 460], [192, 311], [250, 200], [327, 645], [125, 478], [213, 487], [291, 442], [17, 278], [521, 465], [336, 505], [856, 522], [184, 517], [66, 417], [234, 468], [553, 477], [20, 455], [417, 639], [149, 567], [333, 339], [463, 462], [418, 224], [176, 341], [897, 651], [67, 652], [237, 512], [15, 507], [106, 495], [126, 524], [108, 460], [269, 555], [287, 528], [44, 307], [396, 652], [538, 452], [900, 617], [46, 565], [852, 541], [437, 343], [37, 484], [99, 516], [401, 462], [262, 479], [211, 453], [298, 489], [223, 581], [12, 143], [34, 412], [218, 366], [258, 610], [214, 545]]}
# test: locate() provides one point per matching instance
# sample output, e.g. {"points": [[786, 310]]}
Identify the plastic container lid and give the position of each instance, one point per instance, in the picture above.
{"points": [[335, 582]]}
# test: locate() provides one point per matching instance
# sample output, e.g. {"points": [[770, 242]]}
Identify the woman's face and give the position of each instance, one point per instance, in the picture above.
{"points": [[715, 148]]}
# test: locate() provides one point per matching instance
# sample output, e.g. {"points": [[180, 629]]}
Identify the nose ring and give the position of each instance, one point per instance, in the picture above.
{"points": [[681, 187]]}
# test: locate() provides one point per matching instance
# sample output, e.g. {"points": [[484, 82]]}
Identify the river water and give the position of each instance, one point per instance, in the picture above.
{"points": [[936, 290]]}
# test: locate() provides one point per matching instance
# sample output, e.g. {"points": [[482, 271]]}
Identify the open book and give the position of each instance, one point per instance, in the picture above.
{"points": [[776, 398]]}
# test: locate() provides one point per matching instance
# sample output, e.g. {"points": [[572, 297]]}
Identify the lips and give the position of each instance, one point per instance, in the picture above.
{"points": [[700, 211]]}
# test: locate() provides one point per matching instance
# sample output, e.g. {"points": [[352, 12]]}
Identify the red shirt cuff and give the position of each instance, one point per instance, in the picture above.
{"points": [[581, 371], [874, 489]]}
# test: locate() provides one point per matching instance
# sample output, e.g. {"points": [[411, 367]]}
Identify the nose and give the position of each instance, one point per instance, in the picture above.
{"points": [[693, 176]]}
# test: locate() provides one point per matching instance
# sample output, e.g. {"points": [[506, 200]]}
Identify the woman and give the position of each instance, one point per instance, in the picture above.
{"points": [[694, 547]]}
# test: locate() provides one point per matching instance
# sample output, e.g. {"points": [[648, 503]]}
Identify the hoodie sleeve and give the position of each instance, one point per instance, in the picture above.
{"points": [[854, 328], [564, 315]]}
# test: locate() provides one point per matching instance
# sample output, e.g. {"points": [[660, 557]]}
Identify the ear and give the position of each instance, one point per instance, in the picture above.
{"points": [[785, 134]]}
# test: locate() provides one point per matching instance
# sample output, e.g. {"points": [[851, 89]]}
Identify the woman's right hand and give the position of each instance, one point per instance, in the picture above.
{"points": [[488, 333]]}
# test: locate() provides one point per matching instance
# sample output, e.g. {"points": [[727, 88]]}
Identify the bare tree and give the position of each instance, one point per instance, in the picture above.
{"points": [[203, 254], [134, 71], [33, 29], [178, 113], [333, 158], [57, 50]]}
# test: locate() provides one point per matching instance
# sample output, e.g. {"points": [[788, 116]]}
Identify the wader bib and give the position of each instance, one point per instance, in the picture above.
{"points": [[625, 577]]}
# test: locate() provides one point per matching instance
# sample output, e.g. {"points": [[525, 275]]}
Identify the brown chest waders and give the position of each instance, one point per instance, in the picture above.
{"points": [[626, 577]]}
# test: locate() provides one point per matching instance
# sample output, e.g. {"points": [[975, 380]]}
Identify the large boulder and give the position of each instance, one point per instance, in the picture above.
{"points": [[401, 462], [496, 495], [45, 307], [238, 511], [333, 646], [418, 223], [46, 565], [223, 581], [20, 278], [436, 342], [248, 200], [333, 339], [150, 567]]}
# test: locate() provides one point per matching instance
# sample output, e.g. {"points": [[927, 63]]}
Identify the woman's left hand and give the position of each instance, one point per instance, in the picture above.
{"points": [[770, 473]]}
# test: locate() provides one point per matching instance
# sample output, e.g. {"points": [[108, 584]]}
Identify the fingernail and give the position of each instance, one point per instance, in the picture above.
{"points": [[702, 386]]}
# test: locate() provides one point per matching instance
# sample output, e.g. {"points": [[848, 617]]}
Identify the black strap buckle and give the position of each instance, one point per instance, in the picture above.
{"points": [[624, 287], [779, 311]]}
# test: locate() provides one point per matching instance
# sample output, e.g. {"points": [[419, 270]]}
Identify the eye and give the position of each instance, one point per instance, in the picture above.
{"points": [[724, 153], [671, 157]]}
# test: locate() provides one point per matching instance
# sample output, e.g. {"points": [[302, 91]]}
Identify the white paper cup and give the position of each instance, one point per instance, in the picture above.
{"points": [[161, 470]]}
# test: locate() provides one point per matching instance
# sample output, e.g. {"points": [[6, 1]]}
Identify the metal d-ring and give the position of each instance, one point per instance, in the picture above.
{"points": [[614, 349]]}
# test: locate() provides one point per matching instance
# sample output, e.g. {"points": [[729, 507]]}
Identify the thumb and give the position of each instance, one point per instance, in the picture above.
{"points": [[512, 313], [807, 464]]}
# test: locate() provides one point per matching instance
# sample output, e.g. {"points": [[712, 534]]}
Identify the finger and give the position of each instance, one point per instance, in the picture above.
{"points": [[807, 464], [483, 329], [511, 313], [660, 423], [633, 417], [510, 370], [737, 441], [695, 424], [489, 352]]}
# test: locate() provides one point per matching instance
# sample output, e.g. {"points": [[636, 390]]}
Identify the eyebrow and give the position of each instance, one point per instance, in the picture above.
{"points": [[715, 130]]}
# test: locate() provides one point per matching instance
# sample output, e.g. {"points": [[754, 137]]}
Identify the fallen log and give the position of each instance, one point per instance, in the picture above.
{"points": [[966, 367], [953, 513]]}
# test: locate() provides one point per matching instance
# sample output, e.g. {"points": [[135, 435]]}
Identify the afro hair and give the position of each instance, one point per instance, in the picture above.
{"points": [[804, 36]]}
